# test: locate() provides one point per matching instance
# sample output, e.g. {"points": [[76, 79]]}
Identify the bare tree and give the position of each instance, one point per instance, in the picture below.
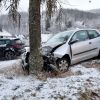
{"points": [[35, 36], [51, 6], [35, 31]]}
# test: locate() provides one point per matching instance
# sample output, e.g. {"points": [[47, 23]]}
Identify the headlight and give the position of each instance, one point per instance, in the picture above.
{"points": [[46, 50]]}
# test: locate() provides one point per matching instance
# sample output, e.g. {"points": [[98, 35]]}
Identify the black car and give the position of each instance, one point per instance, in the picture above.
{"points": [[11, 48]]}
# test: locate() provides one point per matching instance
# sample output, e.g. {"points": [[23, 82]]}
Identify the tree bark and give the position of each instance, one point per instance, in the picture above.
{"points": [[35, 36]]}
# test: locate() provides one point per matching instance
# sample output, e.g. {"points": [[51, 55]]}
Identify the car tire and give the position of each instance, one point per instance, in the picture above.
{"points": [[9, 55], [63, 64]]}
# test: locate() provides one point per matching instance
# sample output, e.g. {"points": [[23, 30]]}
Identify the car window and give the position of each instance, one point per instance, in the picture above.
{"points": [[2, 42], [7, 41], [93, 34], [80, 36]]}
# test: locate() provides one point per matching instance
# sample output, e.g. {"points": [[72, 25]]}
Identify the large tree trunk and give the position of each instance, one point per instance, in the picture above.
{"points": [[35, 36]]}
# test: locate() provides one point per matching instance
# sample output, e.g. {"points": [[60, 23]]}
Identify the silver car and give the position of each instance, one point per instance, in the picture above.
{"points": [[70, 47]]}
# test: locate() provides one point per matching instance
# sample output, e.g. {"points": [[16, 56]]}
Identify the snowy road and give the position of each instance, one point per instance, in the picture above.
{"points": [[14, 85]]}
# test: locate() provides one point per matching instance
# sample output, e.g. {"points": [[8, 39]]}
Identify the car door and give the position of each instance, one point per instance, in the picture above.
{"points": [[95, 42], [81, 49], [2, 47]]}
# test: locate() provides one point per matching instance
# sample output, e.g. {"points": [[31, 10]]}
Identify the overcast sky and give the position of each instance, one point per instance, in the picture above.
{"points": [[82, 4], [75, 4]]}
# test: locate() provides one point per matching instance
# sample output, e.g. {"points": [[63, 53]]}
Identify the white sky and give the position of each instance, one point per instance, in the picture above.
{"points": [[24, 5], [82, 4], [75, 4]]}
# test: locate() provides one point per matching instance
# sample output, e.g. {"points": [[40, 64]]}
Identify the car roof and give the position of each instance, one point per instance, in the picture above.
{"points": [[77, 29], [85, 29]]}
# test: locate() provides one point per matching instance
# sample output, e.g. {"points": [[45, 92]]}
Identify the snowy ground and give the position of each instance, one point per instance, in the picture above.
{"points": [[14, 85]]}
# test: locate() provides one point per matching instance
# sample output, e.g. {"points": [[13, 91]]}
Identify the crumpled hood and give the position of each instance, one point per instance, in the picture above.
{"points": [[52, 45]]}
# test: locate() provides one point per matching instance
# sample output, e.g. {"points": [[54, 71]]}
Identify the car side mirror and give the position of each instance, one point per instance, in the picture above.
{"points": [[73, 41]]}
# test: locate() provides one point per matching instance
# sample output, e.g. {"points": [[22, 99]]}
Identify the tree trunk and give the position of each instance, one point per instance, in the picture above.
{"points": [[35, 36]]}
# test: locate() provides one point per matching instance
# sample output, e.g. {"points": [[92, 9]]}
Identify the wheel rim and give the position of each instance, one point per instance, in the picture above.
{"points": [[63, 65], [9, 55]]}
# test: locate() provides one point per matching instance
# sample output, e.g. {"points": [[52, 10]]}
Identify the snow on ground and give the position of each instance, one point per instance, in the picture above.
{"points": [[5, 64], [14, 85]]}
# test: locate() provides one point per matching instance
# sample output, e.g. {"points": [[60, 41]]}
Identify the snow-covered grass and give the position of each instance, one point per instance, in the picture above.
{"points": [[14, 85]]}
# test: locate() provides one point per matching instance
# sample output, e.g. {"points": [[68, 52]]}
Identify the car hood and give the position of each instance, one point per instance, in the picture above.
{"points": [[52, 45]]}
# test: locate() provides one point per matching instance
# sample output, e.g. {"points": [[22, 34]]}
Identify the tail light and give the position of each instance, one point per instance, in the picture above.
{"points": [[17, 46]]}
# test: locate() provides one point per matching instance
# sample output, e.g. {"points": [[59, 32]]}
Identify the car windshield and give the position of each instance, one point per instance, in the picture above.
{"points": [[60, 37]]}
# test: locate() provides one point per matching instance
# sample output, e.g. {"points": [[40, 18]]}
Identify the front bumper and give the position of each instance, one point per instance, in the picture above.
{"points": [[20, 52], [49, 59]]}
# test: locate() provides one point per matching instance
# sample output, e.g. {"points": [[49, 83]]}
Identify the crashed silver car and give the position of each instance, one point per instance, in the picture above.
{"points": [[70, 47]]}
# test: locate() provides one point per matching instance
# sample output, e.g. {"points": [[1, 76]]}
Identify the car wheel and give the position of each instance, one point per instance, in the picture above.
{"points": [[63, 64], [9, 55]]}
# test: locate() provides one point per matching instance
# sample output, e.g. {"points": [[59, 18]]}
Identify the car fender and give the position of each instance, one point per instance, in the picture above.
{"points": [[62, 51]]}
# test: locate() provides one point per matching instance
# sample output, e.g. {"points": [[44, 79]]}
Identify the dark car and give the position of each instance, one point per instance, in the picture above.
{"points": [[11, 48]]}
